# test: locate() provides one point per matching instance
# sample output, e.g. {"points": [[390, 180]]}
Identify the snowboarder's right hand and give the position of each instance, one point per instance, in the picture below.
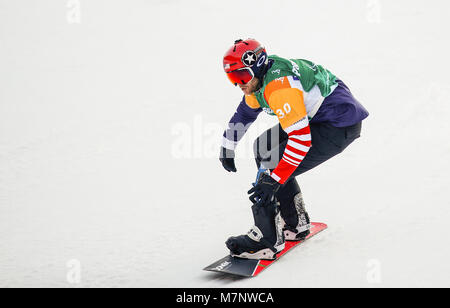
{"points": [[264, 191], [227, 159]]}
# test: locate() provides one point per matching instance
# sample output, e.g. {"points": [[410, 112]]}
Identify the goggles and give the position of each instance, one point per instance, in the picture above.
{"points": [[241, 76]]}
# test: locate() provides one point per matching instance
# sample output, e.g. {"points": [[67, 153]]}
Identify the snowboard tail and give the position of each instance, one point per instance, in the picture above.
{"points": [[251, 268]]}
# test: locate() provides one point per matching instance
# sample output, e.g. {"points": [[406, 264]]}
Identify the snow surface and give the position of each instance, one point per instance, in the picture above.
{"points": [[109, 133]]}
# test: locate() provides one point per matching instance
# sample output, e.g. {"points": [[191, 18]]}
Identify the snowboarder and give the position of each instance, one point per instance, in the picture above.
{"points": [[318, 118]]}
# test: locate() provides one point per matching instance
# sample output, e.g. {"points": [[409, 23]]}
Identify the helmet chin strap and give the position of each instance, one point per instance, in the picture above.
{"points": [[260, 84]]}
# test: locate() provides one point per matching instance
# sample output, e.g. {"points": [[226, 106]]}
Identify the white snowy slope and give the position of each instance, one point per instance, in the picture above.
{"points": [[111, 114]]}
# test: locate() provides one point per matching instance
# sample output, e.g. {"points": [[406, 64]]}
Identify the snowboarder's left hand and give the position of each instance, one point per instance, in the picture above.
{"points": [[264, 191], [227, 159]]}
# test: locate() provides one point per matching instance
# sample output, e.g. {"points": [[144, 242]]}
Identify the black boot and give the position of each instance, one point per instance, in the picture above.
{"points": [[265, 239], [296, 220]]}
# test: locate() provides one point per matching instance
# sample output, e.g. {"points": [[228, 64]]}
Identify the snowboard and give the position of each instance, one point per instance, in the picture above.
{"points": [[251, 268]]}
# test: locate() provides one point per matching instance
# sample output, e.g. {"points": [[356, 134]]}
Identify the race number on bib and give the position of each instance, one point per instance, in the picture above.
{"points": [[288, 105]]}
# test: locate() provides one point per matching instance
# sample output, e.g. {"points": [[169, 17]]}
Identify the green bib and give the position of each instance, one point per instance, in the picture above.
{"points": [[308, 73]]}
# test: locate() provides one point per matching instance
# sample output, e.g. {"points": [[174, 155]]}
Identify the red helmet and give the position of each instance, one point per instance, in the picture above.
{"points": [[245, 60]]}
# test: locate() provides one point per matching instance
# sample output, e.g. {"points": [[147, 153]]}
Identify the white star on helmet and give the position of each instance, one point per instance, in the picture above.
{"points": [[250, 58]]}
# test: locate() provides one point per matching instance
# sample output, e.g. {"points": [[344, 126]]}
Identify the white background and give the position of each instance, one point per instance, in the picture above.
{"points": [[110, 118]]}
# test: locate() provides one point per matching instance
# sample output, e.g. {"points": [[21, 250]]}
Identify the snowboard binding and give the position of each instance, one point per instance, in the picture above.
{"points": [[264, 240]]}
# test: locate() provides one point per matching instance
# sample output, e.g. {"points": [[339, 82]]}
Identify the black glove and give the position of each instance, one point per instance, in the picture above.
{"points": [[264, 191], [227, 159]]}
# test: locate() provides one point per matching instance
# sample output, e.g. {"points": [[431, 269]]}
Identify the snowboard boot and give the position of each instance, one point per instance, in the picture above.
{"points": [[265, 239], [299, 225], [295, 218]]}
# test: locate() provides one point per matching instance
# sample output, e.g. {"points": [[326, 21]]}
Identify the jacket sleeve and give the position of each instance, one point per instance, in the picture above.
{"points": [[288, 104], [298, 145], [246, 113]]}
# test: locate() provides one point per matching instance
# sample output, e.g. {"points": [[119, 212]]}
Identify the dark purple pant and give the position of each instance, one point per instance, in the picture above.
{"points": [[334, 127], [327, 141]]}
